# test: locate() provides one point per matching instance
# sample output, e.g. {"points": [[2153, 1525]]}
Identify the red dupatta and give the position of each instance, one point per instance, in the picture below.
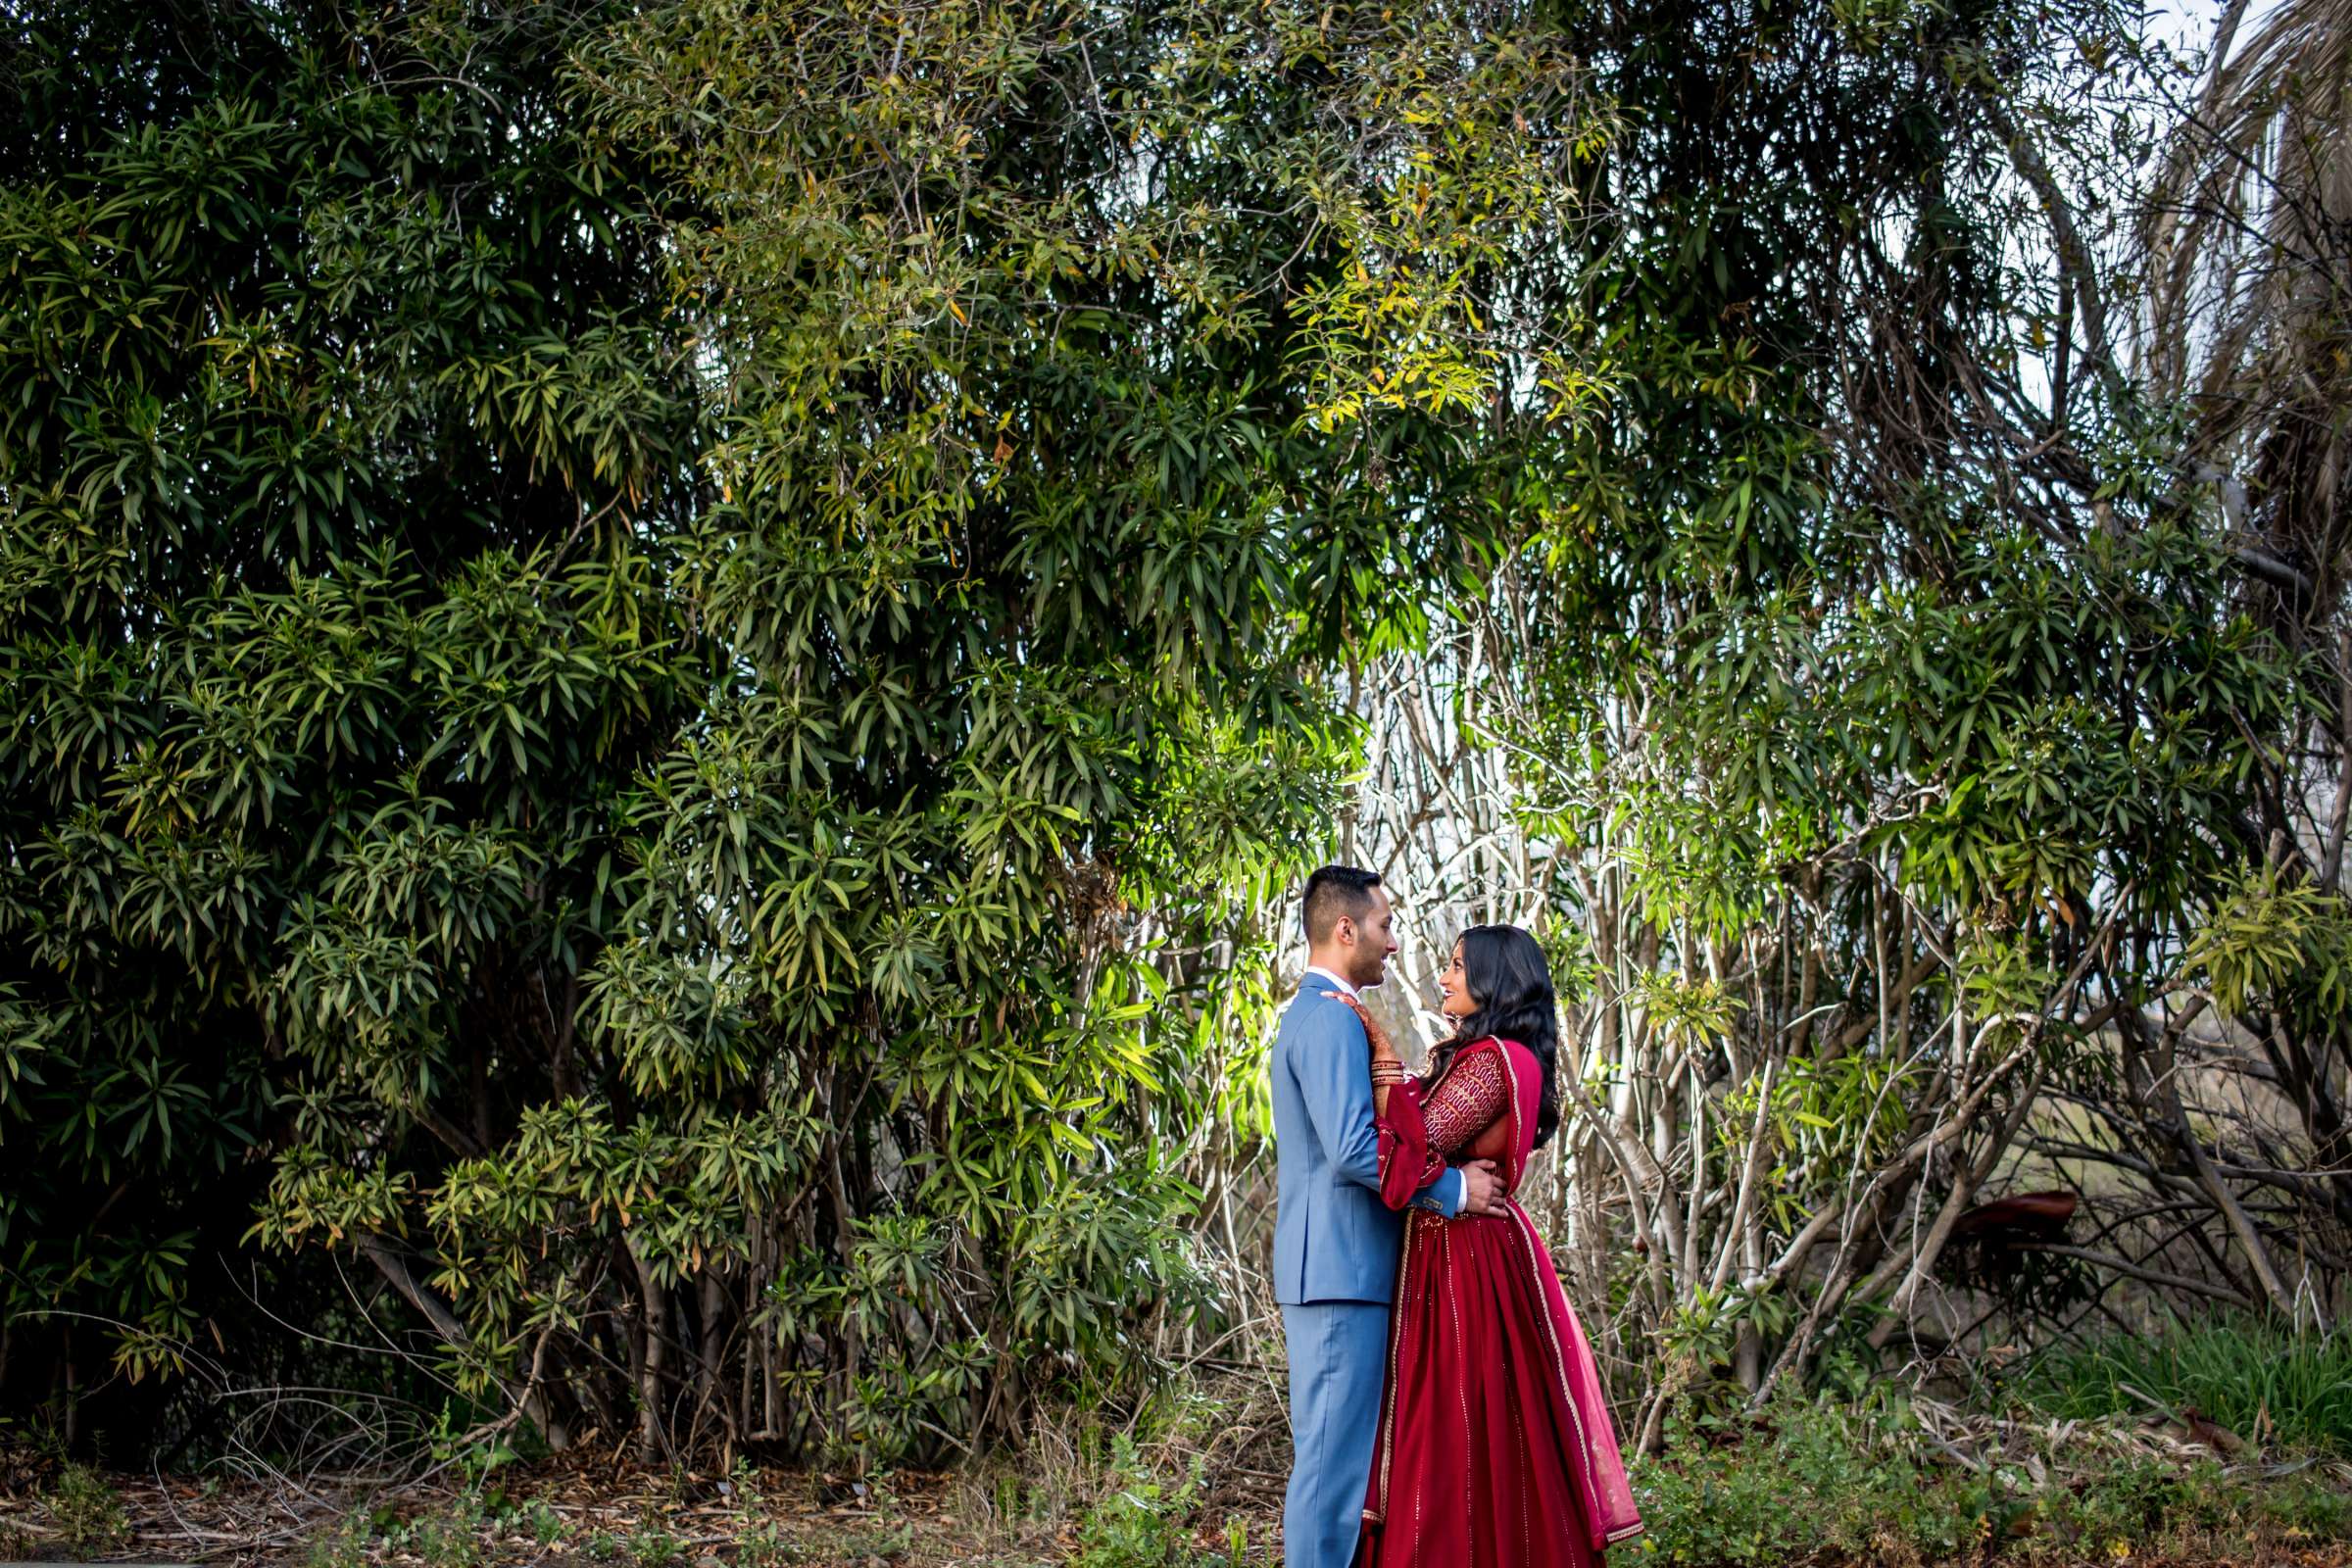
{"points": [[1408, 1163]]}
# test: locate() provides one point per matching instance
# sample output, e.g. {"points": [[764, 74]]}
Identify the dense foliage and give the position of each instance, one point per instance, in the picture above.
{"points": [[343, 427], [1885, 724], [665, 664], [649, 656]]}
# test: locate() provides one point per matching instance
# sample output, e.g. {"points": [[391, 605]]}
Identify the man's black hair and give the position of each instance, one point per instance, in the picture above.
{"points": [[1335, 891]]}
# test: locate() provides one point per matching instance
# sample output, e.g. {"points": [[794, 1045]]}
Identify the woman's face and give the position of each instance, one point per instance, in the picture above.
{"points": [[1455, 985]]}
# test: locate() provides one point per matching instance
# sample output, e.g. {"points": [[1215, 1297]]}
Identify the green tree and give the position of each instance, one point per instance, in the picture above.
{"points": [[1866, 702], [716, 809], [344, 423]]}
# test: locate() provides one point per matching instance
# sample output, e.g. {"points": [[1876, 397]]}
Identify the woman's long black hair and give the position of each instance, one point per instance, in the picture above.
{"points": [[1510, 981]]}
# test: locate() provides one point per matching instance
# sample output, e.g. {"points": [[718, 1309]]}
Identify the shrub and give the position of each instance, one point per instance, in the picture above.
{"points": [[1142, 1521], [87, 1512], [452, 1539], [545, 1524], [345, 1546], [1732, 1493], [654, 1547]]}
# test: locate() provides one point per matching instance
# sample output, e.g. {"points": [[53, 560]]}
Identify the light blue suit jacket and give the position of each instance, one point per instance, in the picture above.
{"points": [[1334, 1238]]}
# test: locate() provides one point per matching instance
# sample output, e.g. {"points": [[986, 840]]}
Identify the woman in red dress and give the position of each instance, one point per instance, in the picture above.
{"points": [[1495, 1449]]}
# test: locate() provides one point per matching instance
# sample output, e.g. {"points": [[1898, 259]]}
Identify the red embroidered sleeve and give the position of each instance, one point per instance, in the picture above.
{"points": [[1467, 1100], [1422, 1129]]}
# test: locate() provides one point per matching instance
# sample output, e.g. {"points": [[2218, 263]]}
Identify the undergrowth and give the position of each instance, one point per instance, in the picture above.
{"points": [[88, 1514], [2272, 1386], [1809, 1482]]}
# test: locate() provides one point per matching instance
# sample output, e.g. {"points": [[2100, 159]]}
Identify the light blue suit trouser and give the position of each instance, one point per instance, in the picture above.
{"points": [[1338, 1352]]}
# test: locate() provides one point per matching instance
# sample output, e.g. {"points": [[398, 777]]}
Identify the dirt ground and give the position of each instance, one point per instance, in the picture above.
{"points": [[592, 1512]]}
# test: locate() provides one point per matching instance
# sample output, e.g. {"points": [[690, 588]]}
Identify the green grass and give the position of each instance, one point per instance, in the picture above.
{"points": [[1826, 1484], [2281, 1389]]}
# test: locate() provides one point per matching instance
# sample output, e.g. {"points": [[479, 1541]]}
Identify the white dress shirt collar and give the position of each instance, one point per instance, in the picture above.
{"points": [[1337, 984]]}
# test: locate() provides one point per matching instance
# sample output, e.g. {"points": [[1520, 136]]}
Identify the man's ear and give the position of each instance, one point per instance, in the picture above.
{"points": [[1343, 931]]}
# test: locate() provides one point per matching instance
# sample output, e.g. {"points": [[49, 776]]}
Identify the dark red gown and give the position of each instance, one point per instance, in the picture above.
{"points": [[1495, 1449]]}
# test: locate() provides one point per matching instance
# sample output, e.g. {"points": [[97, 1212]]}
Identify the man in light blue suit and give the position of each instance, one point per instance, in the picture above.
{"points": [[1336, 1243]]}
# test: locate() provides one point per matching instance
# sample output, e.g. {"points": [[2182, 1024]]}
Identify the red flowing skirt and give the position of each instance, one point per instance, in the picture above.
{"points": [[1477, 1444]]}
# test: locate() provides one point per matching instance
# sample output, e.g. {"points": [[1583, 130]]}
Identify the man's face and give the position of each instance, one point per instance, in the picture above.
{"points": [[1373, 943]]}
